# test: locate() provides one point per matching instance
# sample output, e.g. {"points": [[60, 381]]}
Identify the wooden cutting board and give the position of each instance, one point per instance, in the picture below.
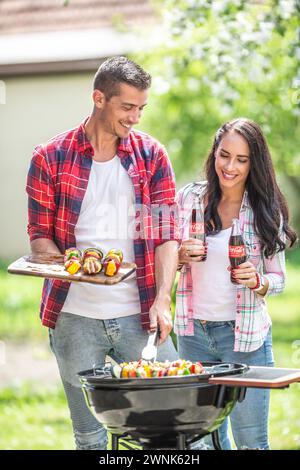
{"points": [[52, 266]]}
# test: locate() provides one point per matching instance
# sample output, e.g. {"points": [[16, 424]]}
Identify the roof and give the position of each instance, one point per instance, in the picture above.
{"points": [[29, 16], [42, 36]]}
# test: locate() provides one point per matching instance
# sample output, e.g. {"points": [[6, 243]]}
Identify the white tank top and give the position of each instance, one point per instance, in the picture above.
{"points": [[214, 295], [105, 221]]}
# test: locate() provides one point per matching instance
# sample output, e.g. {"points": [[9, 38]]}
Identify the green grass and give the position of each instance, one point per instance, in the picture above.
{"points": [[38, 418], [285, 409], [34, 418], [19, 308]]}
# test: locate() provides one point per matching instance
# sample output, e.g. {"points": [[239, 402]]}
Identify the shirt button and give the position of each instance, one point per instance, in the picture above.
{"points": [[239, 296], [141, 180], [238, 311], [237, 328]]}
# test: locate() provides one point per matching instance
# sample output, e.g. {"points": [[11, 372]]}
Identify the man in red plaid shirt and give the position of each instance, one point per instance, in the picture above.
{"points": [[105, 185]]}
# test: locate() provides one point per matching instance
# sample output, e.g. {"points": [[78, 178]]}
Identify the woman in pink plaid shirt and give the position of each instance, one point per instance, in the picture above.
{"points": [[217, 320]]}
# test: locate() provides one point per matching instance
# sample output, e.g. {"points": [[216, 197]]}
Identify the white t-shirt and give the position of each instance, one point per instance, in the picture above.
{"points": [[214, 295], [105, 221]]}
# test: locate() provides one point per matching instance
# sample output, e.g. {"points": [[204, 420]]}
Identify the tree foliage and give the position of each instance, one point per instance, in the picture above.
{"points": [[219, 60]]}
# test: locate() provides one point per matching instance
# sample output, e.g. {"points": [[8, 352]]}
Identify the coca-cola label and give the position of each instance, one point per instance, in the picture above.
{"points": [[237, 251], [197, 227]]}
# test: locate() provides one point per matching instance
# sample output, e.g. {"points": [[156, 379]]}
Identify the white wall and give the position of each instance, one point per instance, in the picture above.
{"points": [[36, 108]]}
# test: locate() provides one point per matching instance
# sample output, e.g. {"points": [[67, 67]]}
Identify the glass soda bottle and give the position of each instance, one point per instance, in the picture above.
{"points": [[237, 248], [197, 228]]}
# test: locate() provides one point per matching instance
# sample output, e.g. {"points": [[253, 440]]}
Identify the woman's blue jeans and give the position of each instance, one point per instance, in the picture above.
{"points": [[78, 344], [213, 341]]}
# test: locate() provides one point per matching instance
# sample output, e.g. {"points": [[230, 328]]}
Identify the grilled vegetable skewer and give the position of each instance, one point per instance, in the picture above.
{"points": [[72, 260], [145, 369], [91, 260], [111, 265], [91, 265]]}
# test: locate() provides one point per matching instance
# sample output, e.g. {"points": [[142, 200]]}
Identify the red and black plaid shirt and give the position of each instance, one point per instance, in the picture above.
{"points": [[56, 184]]}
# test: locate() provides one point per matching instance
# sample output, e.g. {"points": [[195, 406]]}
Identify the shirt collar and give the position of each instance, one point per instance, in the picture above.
{"points": [[245, 201], [200, 187], [125, 145], [84, 145]]}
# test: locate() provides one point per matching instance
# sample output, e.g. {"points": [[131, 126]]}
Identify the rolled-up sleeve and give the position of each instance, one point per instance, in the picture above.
{"points": [[275, 272], [164, 208], [41, 199], [184, 203]]}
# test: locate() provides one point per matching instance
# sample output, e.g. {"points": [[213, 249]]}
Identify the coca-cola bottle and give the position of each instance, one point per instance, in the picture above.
{"points": [[237, 248], [197, 228]]}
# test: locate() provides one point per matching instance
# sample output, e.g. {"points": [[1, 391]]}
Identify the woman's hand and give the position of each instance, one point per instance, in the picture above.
{"points": [[192, 250], [245, 274]]}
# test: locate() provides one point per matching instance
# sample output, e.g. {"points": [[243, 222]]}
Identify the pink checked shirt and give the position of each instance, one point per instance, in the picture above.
{"points": [[252, 318]]}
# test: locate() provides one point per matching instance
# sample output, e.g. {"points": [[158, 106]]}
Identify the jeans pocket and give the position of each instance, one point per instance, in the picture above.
{"points": [[231, 324]]}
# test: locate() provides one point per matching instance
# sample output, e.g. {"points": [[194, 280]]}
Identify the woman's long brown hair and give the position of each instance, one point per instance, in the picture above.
{"points": [[271, 214]]}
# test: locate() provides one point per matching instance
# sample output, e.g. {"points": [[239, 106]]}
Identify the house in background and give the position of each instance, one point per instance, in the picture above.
{"points": [[48, 56]]}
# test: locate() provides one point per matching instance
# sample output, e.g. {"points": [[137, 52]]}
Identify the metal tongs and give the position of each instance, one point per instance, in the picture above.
{"points": [[149, 352]]}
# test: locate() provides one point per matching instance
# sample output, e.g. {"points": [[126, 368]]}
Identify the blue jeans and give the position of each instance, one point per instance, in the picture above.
{"points": [[78, 344], [213, 341]]}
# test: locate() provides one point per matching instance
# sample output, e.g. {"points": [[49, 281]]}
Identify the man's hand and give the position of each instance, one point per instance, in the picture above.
{"points": [[192, 250], [160, 317], [44, 245], [166, 262]]}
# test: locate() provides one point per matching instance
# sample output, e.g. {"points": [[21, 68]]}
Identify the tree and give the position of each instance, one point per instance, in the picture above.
{"points": [[223, 59]]}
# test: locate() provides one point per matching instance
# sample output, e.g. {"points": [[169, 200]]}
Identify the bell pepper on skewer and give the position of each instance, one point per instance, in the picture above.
{"points": [[125, 371], [132, 372], [72, 265], [172, 371], [197, 368], [111, 265], [72, 253], [72, 260]]}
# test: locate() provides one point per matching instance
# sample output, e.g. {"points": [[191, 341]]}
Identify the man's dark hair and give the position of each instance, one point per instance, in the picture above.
{"points": [[118, 70]]}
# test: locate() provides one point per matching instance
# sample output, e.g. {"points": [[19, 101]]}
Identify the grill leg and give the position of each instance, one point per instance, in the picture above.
{"points": [[114, 442], [242, 394], [181, 442], [216, 440]]}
